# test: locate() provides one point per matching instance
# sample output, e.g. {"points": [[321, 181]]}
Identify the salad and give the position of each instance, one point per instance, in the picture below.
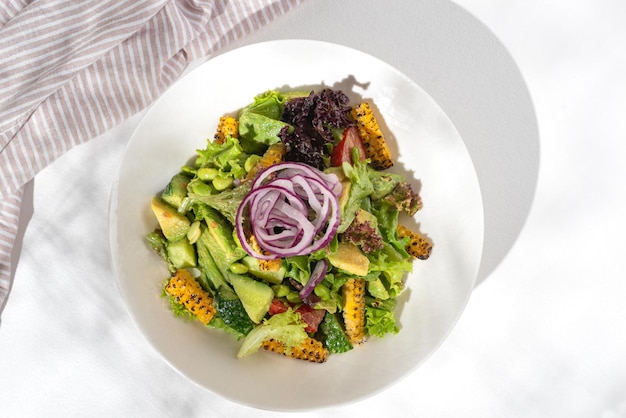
{"points": [[286, 229]]}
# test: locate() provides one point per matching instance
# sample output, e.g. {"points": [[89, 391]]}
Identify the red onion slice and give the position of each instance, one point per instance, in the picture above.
{"points": [[290, 169], [293, 209], [317, 275]]}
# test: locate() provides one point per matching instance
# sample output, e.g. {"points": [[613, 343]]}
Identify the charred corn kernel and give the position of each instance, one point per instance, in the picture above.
{"points": [[353, 292], [227, 126], [187, 291], [265, 265], [270, 265], [273, 155], [418, 246], [375, 145], [310, 350]]}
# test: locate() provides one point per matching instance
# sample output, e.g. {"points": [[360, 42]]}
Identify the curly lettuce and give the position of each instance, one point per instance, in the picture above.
{"points": [[379, 322], [286, 327], [227, 157], [315, 119]]}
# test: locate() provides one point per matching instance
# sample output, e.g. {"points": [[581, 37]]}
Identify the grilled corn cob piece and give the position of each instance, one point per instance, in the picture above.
{"points": [[375, 145], [310, 350], [227, 126], [418, 246], [354, 309], [273, 155], [187, 291]]}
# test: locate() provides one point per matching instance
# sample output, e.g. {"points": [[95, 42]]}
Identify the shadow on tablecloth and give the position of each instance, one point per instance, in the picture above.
{"points": [[462, 64]]}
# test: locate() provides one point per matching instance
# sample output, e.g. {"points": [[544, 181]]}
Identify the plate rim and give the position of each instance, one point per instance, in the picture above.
{"points": [[114, 202]]}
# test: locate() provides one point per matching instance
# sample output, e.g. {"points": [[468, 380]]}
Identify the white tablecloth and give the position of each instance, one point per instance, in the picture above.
{"points": [[538, 92]]}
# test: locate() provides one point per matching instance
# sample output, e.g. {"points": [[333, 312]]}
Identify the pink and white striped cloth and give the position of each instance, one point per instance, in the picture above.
{"points": [[70, 70]]}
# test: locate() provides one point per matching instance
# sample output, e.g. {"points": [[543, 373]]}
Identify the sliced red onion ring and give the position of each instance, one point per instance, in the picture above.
{"points": [[293, 209], [317, 275], [290, 169]]}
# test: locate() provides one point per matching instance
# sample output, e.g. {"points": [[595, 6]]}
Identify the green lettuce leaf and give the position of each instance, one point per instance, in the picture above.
{"points": [[269, 104], [360, 188], [223, 156], [177, 307], [158, 242], [286, 327], [298, 268], [379, 322], [383, 182], [257, 132], [226, 202], [259, 122], [393, 267]]}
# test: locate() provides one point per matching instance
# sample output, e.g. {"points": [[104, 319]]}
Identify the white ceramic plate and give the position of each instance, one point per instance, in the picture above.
{"points": [[429, 150]]}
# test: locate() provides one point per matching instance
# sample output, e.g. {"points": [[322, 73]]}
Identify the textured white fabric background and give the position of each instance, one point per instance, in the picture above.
{"points": [[542, 335], [70, 72]]}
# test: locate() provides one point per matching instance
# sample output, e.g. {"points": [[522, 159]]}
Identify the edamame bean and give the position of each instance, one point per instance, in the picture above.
{"points": [[293, 297], [222, 183], [251, 161], [281, 290], [194, 232], [207, 174], [322, 291], [239, 268]]}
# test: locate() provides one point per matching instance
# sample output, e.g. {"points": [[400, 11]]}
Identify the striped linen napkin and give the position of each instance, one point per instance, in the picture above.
{"points": [[71, 70]]}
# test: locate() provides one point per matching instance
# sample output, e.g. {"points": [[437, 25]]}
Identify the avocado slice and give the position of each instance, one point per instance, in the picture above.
{"points": [[350, 259], [211, 277], [221, 244], [363, 216], [377, 289], [176, 189], [255, 296], [270, 275], [346, 185], [173, 224]]}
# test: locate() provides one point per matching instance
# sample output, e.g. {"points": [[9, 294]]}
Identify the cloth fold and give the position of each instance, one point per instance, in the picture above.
{"points": [[70, 71]]}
